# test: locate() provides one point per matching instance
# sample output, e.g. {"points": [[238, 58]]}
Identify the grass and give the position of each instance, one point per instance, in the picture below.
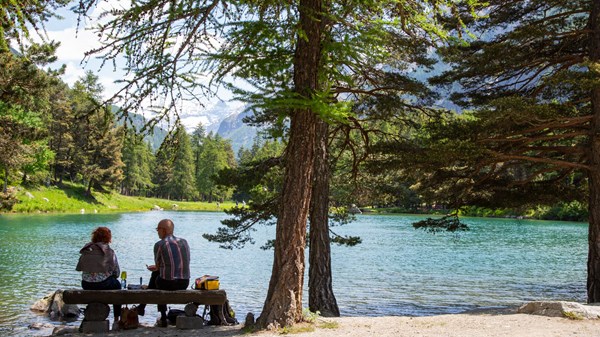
{"points": [[72, 199], [573, 315]]}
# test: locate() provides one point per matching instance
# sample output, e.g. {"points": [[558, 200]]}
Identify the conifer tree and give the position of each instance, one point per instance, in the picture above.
{"points": [[24, 109], [294, 55], [97, 156], [183, 185], [533, 80], [137, 160]]}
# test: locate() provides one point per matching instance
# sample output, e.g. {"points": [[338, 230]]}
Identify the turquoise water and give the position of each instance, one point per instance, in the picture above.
{"points": [[397, 270]]}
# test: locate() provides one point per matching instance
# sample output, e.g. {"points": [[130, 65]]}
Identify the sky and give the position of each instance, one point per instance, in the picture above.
{"points": [[76, 41]]}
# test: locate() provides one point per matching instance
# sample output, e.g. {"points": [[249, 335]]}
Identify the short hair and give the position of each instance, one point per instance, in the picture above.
{"points": [[101, 234]]}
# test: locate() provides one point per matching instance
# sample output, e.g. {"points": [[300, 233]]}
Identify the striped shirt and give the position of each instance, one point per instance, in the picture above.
{"points": [[172, 256]]}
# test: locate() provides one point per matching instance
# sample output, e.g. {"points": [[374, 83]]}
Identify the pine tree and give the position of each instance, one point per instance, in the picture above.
{"points": [[137, 159], [182, 185], [533, 81], [97, 152], [297, 57]]}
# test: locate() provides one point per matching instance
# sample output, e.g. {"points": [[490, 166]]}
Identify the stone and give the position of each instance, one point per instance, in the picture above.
{"points": [[40, 326], [60, 311], [561, 309], [43, 304], [29, 195], [186, 322], [96, 312], [62, 330], [94, 326], [190, 309], [249, 320]]}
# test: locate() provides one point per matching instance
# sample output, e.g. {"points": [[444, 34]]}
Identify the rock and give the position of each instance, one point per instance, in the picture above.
{"points": [[571, 310], [174, 206], [156, 208], [61, 331], [40, 326], [60, 311], [354, 210], [46, 199], [29, 195], [249, 320], [185, 322], [190, 309], [43, 305]]}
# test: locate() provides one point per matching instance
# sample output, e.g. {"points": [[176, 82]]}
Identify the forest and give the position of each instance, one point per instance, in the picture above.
{"points": [[347, 120]]}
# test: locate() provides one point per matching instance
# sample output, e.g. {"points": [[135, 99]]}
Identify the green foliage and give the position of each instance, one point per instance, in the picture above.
{"points": [[573, 315], [8, 199], [138, 160], [18, 17], [309, 316], [182, 186], [24, 106], [212, 155]]}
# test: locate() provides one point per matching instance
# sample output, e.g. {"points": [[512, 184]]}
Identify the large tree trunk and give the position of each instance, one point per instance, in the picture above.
{"points": [[320, 288], [593, 281], [283, 305]]}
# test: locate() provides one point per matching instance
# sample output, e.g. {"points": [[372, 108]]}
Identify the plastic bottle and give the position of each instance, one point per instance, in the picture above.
{"points": [[123, 280]]}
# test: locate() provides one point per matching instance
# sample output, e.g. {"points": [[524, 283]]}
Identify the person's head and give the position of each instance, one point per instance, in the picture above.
{"points": [[165, 227], [101, 234]]}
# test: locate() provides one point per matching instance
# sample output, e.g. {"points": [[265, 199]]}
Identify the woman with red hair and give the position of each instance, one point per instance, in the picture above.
{"points": [[99, 266]]}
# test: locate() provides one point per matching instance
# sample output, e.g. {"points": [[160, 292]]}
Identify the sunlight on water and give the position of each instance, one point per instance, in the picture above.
{"points": [[395, 271]]}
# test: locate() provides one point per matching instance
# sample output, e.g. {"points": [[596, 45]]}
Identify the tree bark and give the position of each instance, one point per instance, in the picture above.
{"points": [[593, 281], [283, 305], [320, 285]]}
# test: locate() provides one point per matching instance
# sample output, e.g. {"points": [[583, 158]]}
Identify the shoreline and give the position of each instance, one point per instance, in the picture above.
{"points": [[480, 323]]}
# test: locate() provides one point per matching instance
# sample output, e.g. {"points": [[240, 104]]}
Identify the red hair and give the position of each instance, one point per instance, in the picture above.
{"points": [[101, 234]]}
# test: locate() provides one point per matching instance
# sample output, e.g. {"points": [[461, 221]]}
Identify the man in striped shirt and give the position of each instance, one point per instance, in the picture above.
{"points": [[171, 269]]}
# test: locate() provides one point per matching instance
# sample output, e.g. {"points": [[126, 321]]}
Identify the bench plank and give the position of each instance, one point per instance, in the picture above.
{"points": [[148, 296]]}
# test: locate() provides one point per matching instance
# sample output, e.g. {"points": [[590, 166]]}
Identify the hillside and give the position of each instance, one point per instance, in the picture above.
{"points": [[71, 198]]}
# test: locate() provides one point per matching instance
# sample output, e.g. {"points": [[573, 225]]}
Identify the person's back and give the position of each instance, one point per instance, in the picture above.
{"points": [[172, 256], [171, 268]]}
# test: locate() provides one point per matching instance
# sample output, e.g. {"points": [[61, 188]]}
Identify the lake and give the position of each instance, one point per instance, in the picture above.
{"points": [[396, 270]]}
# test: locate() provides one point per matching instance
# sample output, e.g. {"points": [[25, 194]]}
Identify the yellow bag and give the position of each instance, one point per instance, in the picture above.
{"points": [[207, 282]]}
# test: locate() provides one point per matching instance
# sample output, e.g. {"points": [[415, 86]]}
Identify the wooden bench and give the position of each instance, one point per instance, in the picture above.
{"points": [[97, 301]]}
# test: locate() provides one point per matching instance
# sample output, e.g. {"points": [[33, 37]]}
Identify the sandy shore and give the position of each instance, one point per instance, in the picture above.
{"points": [[479, 324]]}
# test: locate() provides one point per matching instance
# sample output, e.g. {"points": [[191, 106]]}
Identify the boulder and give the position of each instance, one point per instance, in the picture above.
{"points": [[571, 310], [249, 321], [55, 307], [43, 304]]}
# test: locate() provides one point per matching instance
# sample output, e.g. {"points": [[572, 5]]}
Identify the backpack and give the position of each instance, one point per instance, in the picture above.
{"points": [[172, 315], [211, 314]]}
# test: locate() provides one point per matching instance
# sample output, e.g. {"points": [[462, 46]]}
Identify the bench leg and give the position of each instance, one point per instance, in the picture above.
{"points": [[94, 318]]}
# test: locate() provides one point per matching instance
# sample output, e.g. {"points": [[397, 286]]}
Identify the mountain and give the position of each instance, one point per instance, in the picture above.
{"points": [[210, 117], [155, 136], [234, 129]]}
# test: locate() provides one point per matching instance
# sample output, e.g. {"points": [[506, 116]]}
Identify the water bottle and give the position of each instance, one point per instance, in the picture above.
{"points": [[123, 280]]}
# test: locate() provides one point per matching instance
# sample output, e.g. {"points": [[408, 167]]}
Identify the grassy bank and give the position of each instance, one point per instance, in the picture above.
{"points": [[73, 199]]}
